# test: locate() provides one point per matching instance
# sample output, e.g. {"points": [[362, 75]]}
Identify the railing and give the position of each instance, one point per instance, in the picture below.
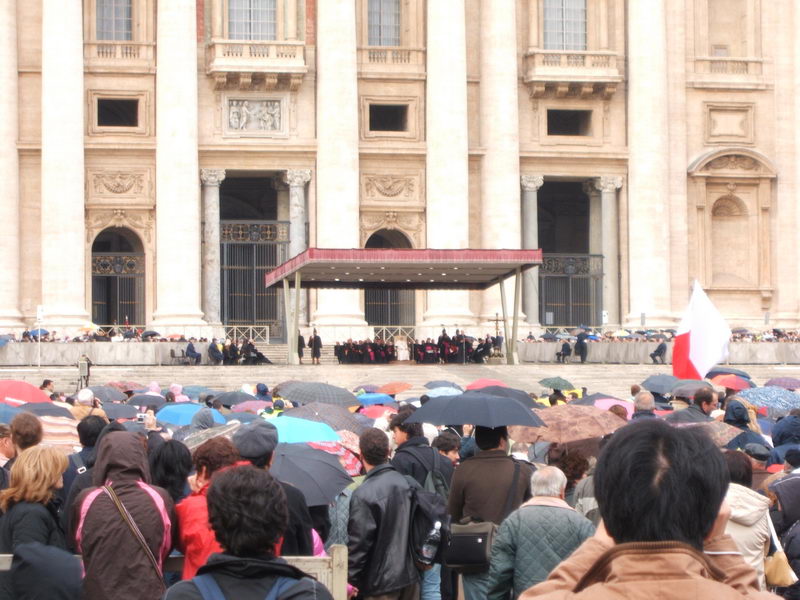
{"points": [[728, 65], [258, 333], [118, 52], [409, 61], [279, 56], [571, 290], [390, 332], [571, 264], [602, 62]]}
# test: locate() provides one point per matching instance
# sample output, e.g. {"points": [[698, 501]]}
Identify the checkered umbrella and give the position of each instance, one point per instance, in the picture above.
{"points": [[337, 417], [306, 393]]}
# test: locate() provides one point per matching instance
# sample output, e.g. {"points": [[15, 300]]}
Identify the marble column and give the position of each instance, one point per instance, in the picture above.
{"points": [[297, 179], [178, 272], [608, 187], [447, 158], [63, 236], [530, 240], [211, 179], [648, 164], [10, 317], [499, 116], [337, 178], [595, 217]]}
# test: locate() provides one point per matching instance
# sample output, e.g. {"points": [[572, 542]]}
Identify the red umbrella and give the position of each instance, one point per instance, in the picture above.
{"points": [[17, 393], [377, 410], [347, 459], [482, 383], [731, 382]]}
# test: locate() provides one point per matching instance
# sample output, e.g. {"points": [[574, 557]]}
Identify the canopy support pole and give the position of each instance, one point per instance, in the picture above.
{"points": [[291, 340], [505, 321], [296, 318], [514, 356]]}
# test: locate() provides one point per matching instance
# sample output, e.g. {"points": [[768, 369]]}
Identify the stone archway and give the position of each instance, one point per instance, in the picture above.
{"points": [[389, 307], [118, 278]]}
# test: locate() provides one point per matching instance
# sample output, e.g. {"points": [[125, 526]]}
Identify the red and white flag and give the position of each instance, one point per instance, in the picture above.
{"points": [[702, 338]]}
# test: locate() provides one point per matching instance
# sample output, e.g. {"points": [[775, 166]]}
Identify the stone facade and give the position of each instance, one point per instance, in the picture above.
{"points": [[678, 130]]}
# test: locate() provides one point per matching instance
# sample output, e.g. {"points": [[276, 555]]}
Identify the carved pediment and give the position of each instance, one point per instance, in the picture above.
{"points": [[388, 186]]}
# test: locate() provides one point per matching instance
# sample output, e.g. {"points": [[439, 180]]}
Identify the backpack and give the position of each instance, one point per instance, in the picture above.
{"points": [[209, 588], [434, 482], [427, 507]]}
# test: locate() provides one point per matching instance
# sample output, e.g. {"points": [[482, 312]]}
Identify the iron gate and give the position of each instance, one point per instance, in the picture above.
{"points": [[118, 289], [571, 290], [249, 250], [389, 307]]}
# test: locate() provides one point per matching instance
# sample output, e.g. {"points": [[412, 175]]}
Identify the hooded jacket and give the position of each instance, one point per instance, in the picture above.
{"points": [[786, 431], [748, 526], [737, 416], [202, 419], [116, 564]]}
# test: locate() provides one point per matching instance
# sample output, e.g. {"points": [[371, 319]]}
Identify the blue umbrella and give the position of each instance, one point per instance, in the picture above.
{"points": [[181, 413], [39, 332], [4, 339], [8, 412], [442, 383], [375, 398], [443, 391], [778, 400], [293, 431]]}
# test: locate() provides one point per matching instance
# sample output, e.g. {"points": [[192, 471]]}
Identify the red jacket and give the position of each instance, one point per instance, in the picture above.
{"points": [[195, 537]]}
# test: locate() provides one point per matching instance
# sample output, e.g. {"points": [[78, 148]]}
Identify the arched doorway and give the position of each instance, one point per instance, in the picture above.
{"points": [[118, 270], [389, 307]]}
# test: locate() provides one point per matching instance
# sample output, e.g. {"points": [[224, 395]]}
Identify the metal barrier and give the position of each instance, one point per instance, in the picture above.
{"points": [[390, 332], [258, 333]]}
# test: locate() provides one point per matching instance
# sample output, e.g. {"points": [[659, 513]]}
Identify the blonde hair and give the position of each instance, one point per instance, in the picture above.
{"points": [[34, 476]]}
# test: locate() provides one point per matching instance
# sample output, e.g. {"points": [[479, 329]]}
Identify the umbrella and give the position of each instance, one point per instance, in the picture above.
{"points": [[431, 385], [446, 391], [741, 330], [316, 473], [367, 388], [305, 393], [590, 399], [293, 431], [150, 333], [569, 423], [106, 393], [338, 417], [146, 401], [787, 383], [174, 336], [660, 384], [394, 387], [125, 386], [47, 409], [369, 399], [687, 388], [606, 403], [556, 383], [283, 385], [346, 457], [518, 395], [16, 393], [482, 383], [182, 413], [194, 391], [39, 332], [719, 432], [376, 411], [232, 398], [242, 417], [7, 413], [727, 371], [476, 408], [779, 400], [549, 337], [621, 333], [120, 411], [350, 441], [196, 439], [252, 406], [732, 382]]}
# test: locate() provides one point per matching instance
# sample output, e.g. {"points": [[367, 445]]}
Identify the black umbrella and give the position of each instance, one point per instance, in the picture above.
{"points": [[520, 395], [727, 371], [147, 400], [46, 409], [129, 334], [338, 417], [550, 337], [107, 393], [150, 333], [660, 384], [231, 398], [590, 399], [305, 393], [316, 473], [475, 408], [442, 383], [687, 388], [120, 411]]}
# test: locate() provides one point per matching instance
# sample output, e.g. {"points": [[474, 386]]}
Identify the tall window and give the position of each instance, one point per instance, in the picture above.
{"points": [[251, 19], [114, 20], [565, 24], [384, 22]]}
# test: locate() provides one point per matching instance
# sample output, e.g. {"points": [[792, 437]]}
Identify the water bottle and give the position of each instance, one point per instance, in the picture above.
{"points": [[431, 544]]}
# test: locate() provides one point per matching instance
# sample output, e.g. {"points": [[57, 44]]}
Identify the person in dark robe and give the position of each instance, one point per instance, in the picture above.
{"points": [[581, 347], [301, 344], [565, 353], [337, 351], [444, 345], [315, 343]]}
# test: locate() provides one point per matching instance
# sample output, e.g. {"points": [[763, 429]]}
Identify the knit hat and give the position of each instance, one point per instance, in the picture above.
{"points": [[255, 440]]}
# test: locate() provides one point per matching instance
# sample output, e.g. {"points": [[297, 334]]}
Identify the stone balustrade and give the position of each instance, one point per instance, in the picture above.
{"points": [[393, 59]]}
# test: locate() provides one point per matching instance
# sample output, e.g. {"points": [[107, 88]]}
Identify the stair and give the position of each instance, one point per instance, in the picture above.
{"points": [[277, 354]]}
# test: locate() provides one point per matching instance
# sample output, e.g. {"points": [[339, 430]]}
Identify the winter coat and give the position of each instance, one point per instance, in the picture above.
{"points": [[250, 579], [748, 526], [415, 457], [786, 431], [27, 522], [652, 571], [42, 572], [585, 502], [737, 416], [690, 414], [116, 564], [379, 559], [196, 539], [531, 542], [297, 537]]}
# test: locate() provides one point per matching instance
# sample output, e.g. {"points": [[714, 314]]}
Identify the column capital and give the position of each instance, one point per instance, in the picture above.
{"points": [[608, 183], [531, 183], [212, 176], [297, 177]]}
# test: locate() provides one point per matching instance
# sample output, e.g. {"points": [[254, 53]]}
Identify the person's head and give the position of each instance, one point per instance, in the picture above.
{"points": [[654, 482], [448, 444], [549, 481], [574, 466], [758, 453], [262, 389], [216, 404], [7, 449], [643, 401], [740, 468], [374, 448], [618, 410], [791, 460], [573, 396], [89, 429], [424, 399], [47, 385], [85, 398], [169, 397], [170, 465], [488, 438], [706, 400], [247, 511], [26, 431], [256, 442], [401, 430], [36, 474], [635, 389], [211, 456]]}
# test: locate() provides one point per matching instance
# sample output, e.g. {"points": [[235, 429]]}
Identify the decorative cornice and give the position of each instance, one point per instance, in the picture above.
{"points": [[608, 183], [212, 176], [297, 177], [531, 183]]}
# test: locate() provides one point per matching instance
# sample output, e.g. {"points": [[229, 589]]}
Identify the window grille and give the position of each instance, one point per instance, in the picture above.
{"points": [[251, 20], [114, 20], [384, 22], [565, 24]]}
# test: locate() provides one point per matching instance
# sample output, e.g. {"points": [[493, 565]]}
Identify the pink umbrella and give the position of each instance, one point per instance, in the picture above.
{"points": [[482, 383], [17, 393], [252, 406], [606, 403]]}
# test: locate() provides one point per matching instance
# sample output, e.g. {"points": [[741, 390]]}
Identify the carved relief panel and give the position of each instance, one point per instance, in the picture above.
{"points": [[391, 190], [393, 201], [261, 116], [115, 186]]}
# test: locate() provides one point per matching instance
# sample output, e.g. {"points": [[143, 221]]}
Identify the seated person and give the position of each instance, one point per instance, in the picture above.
{"points": [[191, 353], [659, 353], [215, 356], [566, 352]]}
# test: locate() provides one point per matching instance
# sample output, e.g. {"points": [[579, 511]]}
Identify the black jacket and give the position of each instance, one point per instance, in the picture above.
{"points": [[250, 579], [379, 560], [297, 538], [415, 457], [691, 414]]}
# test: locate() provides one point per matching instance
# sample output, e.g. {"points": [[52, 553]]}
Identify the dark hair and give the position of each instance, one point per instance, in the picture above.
{"points": [[169, 396], [574, 465], [216, 404], [703, 395], [247, 511], [45, 383], [447, 441], [655, 482], [398, 421], [739, 467], [170, 465], [89, 428], [423, 400], [26, 430], [374, 446], [214, 454], [487, 438]]}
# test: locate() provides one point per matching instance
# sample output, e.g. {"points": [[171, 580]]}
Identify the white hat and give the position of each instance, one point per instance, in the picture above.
{"points": [[85, 396]]}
